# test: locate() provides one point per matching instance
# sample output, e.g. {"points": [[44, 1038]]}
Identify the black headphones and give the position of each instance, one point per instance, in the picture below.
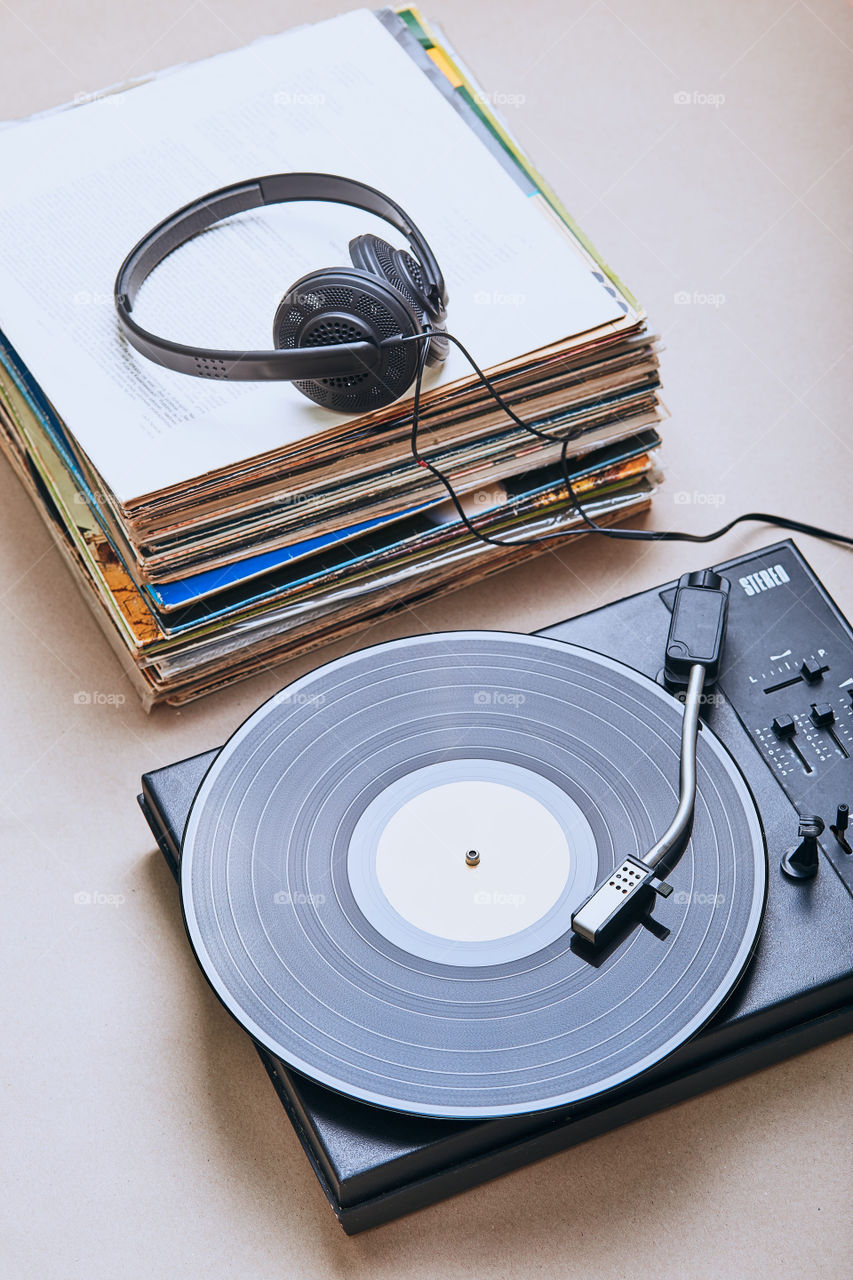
{"points": [[338, 331]]}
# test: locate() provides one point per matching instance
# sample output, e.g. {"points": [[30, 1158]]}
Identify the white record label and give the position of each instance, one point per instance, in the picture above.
{"points": [[424, 857], [411, 855]]}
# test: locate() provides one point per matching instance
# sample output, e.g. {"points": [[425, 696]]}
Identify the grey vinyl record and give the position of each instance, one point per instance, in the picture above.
{"points": [[379, 870]]}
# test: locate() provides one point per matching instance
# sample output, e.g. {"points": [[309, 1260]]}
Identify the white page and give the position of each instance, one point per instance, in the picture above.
{"points": [[81, 186]]}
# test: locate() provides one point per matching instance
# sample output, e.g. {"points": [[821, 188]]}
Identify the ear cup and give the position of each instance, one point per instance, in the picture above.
{"points": [[409, 269], [342, 305], [403, 272]]}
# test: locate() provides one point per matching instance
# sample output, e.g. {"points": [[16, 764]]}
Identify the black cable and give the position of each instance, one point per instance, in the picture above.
{"points": [[433, 469], [635, 535]]}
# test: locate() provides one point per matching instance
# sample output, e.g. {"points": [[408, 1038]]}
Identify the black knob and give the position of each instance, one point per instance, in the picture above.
{"points": [[822, 715], [812, 671], [784, 726], [800, 862], [842, 820]]}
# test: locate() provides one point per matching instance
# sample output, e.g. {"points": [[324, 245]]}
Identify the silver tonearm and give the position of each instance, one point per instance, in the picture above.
{"points": [[693, 651]]}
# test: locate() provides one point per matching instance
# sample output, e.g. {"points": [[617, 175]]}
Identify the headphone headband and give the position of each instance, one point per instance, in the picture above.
{"points": [[251, 366]]}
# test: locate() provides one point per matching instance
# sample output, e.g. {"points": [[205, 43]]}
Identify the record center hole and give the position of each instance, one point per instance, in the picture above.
{"points": [[472, 858]]}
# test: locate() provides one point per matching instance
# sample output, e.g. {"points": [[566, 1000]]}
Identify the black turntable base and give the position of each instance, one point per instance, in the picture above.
{"points": [[420, 1048]]}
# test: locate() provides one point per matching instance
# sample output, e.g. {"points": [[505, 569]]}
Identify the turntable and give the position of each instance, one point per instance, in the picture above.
{"points": [[478, 896]]}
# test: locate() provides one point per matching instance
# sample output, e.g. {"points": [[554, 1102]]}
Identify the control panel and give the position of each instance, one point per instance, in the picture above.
{"points": [[787, 670]]}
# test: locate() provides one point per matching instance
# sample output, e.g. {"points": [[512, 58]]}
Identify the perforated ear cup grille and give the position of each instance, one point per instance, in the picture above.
{"points": [[324, 332], [385, 258], [405, 275], [409, 269], [371, 253], [415, 269], [325, 309], [378, 314]]}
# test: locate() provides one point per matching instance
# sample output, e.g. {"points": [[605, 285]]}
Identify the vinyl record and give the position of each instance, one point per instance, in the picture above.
{"points": [[379, 870]]}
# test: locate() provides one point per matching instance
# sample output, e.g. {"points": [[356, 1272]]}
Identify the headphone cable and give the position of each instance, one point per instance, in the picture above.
{"points": [[634, 535]]}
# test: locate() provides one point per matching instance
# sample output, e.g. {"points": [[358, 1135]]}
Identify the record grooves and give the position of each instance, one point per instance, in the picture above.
{"points": [[328, 899]]}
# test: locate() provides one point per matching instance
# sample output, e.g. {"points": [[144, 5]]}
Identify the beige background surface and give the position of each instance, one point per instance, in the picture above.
{"points": [[141, 1136]]}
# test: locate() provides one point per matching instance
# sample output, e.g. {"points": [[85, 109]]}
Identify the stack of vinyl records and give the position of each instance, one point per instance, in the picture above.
{"points": [[217, 529]]}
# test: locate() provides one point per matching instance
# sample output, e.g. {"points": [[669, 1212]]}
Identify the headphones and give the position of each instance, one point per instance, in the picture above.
{"points": [[342, 335]]}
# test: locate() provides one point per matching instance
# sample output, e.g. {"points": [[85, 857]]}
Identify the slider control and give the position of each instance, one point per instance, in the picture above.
{"points": [[812, 671], [785, 728], [823, 717]]}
